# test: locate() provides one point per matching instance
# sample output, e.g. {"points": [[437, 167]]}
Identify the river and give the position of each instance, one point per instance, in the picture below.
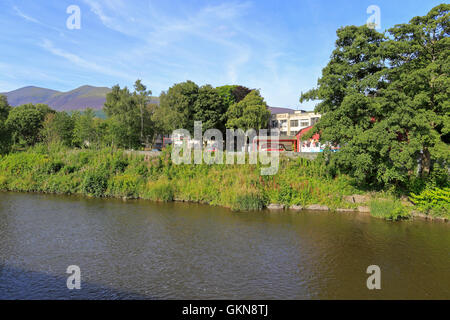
{"points": [[145, 250]]}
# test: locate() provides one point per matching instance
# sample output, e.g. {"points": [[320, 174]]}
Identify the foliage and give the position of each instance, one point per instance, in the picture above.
{"points": [[142, 97], [25, 122], [385, 101], [388, 209], [4, 132], [248, 202], [250, 113], [84, 132], [176, 107], [210, 108], [58, 127], [95, 183], [110, 173], [128, 120], [434, 200]]}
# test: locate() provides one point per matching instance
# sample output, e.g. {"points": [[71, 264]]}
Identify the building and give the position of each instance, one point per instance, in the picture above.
{"points": [[309, 145], [290, 122]]}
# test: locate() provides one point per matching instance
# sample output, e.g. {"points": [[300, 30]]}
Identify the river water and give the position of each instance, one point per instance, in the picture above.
{"points": [[145, 250]]}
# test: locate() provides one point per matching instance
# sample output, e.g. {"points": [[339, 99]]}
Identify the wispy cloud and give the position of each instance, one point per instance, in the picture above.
{"points": [[216, 42], [29, 18], [73, 58], [24, 16], [108, 20]]}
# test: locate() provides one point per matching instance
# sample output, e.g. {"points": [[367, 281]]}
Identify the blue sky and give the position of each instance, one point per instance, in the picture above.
{"points": [[279, 47]]}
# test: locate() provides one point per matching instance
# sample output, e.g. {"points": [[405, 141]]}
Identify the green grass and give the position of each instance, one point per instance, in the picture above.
{"points": [[111, 173], [389, 209]]}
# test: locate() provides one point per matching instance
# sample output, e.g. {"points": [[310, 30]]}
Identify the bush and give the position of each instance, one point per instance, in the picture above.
{"points": [[435, 201], [95, 183], [3, 183], [124, 186], [160, 190]]}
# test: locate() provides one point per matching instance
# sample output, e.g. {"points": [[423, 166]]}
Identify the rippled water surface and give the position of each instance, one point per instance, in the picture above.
{"points": [[145, 250]]}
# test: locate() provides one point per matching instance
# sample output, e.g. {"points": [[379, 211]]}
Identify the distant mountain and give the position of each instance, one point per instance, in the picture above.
{"points": [[78, 99]]}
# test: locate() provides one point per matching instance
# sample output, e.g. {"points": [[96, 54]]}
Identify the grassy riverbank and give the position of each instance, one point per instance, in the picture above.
{"points": [[111, 173]]}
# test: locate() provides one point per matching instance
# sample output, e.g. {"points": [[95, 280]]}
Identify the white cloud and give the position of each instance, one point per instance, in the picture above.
{"points": [[24, 16], [73, 58]]}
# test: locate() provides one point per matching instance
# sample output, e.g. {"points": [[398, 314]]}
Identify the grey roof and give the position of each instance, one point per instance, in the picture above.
{"points": [[277, 110]]}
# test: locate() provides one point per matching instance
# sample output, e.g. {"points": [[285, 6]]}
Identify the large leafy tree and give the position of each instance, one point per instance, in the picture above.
{"points": [[84, 129], [25, 123], [58, 127], [124, 112], [249, 113], [4, 133], [385, 100], [210, 108], [176, 109], [419, 90]]}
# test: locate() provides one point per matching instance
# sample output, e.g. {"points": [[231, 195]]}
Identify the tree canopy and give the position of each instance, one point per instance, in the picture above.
{"points": [[249, 113], [385, 100], [4, 133], [25, 122]]}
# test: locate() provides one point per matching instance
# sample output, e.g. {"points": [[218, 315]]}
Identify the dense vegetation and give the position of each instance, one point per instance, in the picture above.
{"points": [[385, 99], [111, 173]]}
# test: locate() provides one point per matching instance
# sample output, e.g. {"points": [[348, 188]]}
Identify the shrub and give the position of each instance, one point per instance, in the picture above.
{"points": [[124, 186], [3, 183], [95, 183], [435, 201], [160, 190]]}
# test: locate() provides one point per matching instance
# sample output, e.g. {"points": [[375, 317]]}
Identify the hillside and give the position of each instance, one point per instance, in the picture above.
{"points": [[77, 99]]}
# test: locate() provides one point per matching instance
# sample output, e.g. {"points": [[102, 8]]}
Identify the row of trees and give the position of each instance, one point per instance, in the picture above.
{"points": [[29, 124], [385, 98], [132, 120]]}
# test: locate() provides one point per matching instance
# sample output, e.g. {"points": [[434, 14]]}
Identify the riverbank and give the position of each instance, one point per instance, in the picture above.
{"points": [[299, 184]]}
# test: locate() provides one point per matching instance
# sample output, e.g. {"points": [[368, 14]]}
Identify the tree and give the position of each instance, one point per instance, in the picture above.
{"points": [[142, 96], [122, 107], [58, 127], [25, 122], [210, 108], [250, 113], [177, 107], [385, 100], [419, 53], [240, 92], [84, 131], [4, 132], [233, 93]]}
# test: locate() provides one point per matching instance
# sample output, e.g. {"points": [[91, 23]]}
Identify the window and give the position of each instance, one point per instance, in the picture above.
{"points": [[314, 120], [304, 123], [294, 123], [293, 132], [283, 133], [274, 123]]}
